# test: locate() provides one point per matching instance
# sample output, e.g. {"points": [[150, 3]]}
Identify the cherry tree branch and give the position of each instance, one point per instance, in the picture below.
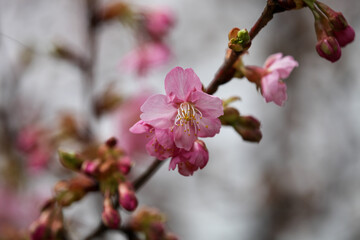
{"points": [[226, 71]]}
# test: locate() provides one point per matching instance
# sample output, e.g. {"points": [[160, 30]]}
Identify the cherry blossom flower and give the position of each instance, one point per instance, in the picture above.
{"points": [[186, 110], [158, 22], [277, 68], [146, 57], [190, 161]]}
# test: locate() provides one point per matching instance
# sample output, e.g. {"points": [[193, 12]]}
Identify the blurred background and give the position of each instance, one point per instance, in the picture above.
{"points": [[300, 182]]}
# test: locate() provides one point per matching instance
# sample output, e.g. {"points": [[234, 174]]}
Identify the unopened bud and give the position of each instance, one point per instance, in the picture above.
{"points": [[111, 142], [249, 129], [239, 40], [91, 167], [110, 216], [342, 31], [107, 168], [291, 4], [329, 49], [127, 198], [124, 165], [70, 161], [231, 116]]}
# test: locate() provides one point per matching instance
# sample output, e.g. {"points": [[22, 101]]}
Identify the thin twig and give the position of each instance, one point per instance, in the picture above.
{"points": [[140, 181], [226, 71]]}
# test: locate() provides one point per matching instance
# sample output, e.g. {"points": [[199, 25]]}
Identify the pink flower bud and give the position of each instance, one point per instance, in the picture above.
{"points": [[127, 198], [329, 48], [124, 165], [345, 36], [40, 229], [342, 31], [158, 22], [90, 167], [110, 217]]}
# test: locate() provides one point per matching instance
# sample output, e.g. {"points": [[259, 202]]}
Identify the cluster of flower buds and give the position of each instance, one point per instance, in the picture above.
{"points": [[173, 122], [151, 223], [109, 167], [332, 30], [50, 225]]}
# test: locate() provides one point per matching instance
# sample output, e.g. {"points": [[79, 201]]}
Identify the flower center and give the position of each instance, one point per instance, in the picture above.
{"points": [[188, 116]]}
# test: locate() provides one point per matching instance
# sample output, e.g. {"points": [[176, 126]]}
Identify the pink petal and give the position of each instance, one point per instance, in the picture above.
{"points": [[273, 90], [209, 127], [179, 83], [156, 150], [158, 112], [209, 106], [140, 127], [184, 139], [271, 59], [284, 66], [165, 137]]}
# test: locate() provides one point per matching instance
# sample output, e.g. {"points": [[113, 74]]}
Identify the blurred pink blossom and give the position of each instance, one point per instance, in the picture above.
{"points": [[146, 57], [126, 116], [158, 22]]}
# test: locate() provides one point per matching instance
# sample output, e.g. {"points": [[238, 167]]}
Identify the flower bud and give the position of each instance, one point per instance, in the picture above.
{"points": [[342, 31], [239, 40], [329, 49], [124, 165], [249, 129], [70, 161], [291, 4], [127, 198], [91, 167], [231, 116], [111, 142], [40, 230], [110, 216]]}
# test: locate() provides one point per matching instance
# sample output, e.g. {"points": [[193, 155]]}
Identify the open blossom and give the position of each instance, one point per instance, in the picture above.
{"points": [[146, 57], [277, 67], [269, 78], [186, 110], [190, 161]]}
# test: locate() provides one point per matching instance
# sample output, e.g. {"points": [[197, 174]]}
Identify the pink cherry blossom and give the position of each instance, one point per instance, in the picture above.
{"points": [[276, 68], [145, 58], [158, 22], [190, 161], [186, 110]]}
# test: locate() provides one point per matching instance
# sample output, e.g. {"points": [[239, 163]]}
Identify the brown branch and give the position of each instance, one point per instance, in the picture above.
{"points": [[226, 71], [140, 181]]}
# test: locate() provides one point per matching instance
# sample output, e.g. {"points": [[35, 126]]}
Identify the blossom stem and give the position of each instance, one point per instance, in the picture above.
{"points": [[226, 71], [140, 181]]}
